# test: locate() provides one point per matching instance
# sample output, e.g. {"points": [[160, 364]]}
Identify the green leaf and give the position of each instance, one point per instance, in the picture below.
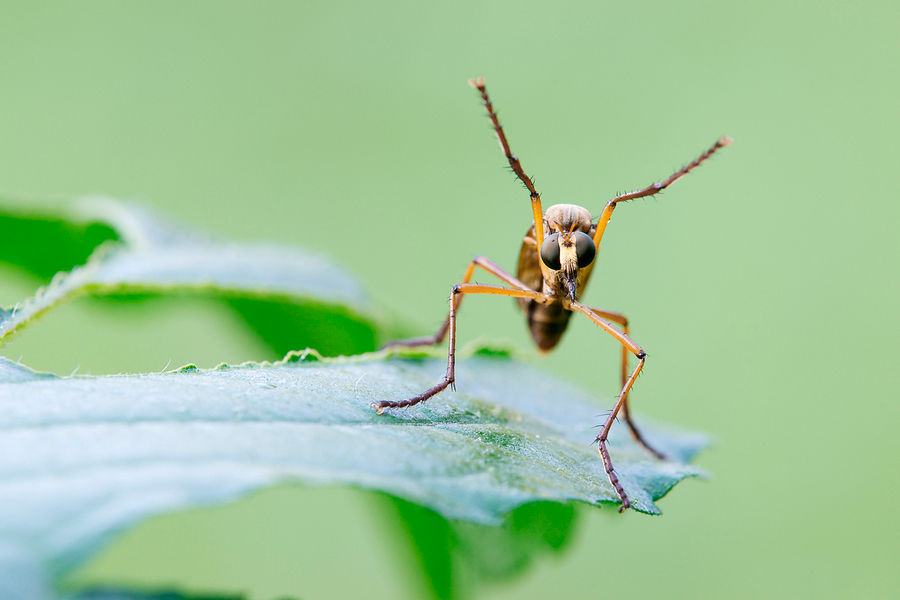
{"points": [[484, 480], [457, 555], [45, 246], [289, 296], [82, 457]]}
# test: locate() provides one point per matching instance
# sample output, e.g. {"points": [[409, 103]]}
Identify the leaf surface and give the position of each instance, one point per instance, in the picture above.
{"points": [[84, 457]]}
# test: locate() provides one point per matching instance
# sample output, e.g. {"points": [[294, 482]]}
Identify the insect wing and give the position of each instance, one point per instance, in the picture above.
{"points": [[529, 269]]}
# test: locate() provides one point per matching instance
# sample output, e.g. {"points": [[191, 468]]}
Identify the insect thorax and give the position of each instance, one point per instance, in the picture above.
{"points": [[567, 217]]}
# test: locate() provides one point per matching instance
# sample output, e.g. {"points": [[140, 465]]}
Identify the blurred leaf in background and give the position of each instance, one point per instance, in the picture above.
{"points": [[267, 284]]}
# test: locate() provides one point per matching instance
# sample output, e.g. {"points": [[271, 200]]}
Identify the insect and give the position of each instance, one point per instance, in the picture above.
{"points": [[555, 263]]}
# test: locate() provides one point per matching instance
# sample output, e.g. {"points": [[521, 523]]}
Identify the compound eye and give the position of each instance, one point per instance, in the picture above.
{"points": [[585, 250], [550, 251]]}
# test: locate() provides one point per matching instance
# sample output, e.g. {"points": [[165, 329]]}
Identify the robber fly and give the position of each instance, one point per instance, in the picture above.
{"points": [[555, 263]]}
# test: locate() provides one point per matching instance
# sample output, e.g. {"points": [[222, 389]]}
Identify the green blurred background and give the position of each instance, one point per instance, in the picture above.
{"points": [[764, 286]]}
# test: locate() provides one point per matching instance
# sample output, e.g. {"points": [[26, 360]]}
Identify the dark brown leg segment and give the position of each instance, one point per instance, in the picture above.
{"points": [[622, 320], [450, 377], [515, 165], [604, 434]]}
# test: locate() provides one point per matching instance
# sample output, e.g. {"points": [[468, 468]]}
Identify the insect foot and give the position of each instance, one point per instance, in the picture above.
{"points": [[611, 473], [380, 406]]}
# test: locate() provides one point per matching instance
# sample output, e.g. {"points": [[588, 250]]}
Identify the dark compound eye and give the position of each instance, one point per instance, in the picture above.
{"points": [[550, 251], [584, 249]]}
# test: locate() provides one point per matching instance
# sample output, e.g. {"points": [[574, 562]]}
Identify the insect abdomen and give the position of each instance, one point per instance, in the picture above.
{"points": [[547, 322]]}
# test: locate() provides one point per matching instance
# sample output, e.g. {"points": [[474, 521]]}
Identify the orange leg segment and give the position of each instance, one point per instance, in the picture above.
{"points": [[479, 261]]}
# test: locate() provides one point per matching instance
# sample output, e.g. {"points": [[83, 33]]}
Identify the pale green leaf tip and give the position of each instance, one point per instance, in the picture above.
{"points": [[13, 372], [295, 356]]}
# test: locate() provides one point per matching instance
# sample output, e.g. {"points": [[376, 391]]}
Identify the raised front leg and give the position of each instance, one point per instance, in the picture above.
{"points": [[654, 188], [514, 164]]}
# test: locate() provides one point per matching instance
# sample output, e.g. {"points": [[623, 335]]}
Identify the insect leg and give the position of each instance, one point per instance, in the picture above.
{"points": [[515, 165], [450, 378], [479, 261], [654, 188], [622, 320], [635, 349]]}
